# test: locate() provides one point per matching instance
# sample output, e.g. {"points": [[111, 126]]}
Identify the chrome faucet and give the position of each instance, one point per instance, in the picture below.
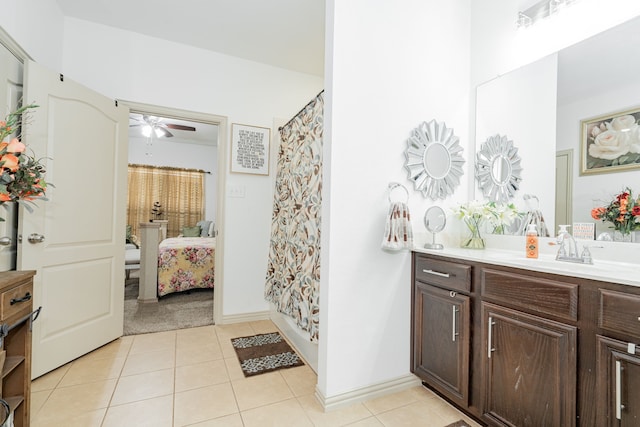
{"points": [[568, 250]]}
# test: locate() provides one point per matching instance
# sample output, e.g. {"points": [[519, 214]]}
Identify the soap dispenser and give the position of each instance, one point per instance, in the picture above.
{"points": [[532, 241]]}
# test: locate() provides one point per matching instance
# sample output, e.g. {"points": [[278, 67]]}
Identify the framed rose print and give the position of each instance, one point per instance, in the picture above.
{"points": [[250, 149], [610, 143]]}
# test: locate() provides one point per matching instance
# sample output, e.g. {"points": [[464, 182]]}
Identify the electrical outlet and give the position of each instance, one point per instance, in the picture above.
{"points": [[237, 191]]}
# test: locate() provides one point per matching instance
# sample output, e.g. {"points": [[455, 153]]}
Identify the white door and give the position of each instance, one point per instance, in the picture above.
{"points": [[11, 72], [564, 187], [79, 265]]}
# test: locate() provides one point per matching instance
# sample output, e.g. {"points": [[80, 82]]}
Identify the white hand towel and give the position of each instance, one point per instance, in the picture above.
{"points": [[398, 234]]}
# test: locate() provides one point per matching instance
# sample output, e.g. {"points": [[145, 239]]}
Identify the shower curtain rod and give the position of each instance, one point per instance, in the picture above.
{"points": [[301, 110]]}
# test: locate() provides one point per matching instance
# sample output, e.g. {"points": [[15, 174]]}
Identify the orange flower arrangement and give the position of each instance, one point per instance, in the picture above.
{"points": [[623, 212], [21, 175]]}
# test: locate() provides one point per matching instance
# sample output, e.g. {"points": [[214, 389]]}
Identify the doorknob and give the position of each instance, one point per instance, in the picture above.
{"points": [[35, 238], [5, 241]]}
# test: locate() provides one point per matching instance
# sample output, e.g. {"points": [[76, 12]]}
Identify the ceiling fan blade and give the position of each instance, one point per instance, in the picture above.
{"points": [[167, 134], [179, 127]]}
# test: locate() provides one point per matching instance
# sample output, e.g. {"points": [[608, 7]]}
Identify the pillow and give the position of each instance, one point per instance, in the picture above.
{"points": [[204, 228], [212, 229], [191, 231]]}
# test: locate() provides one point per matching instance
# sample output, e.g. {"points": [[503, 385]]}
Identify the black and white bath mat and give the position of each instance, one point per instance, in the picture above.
{"points": [[264, 353]]}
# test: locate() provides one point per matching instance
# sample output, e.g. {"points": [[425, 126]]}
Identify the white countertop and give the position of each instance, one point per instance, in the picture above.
{"points": [[612, 261]]}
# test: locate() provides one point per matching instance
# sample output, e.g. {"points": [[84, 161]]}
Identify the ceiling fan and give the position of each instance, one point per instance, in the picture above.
{"points": [[158, 126]]}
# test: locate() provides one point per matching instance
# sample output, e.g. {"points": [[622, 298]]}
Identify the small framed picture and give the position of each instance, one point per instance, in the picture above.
{"points": [[250, 149], [610, 143]]}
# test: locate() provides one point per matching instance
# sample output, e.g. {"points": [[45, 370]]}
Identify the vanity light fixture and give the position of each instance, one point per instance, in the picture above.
{"points": [[541, 10]]}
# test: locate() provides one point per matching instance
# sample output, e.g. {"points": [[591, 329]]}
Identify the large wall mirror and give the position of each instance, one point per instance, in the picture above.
{"points": [[540, 107]]}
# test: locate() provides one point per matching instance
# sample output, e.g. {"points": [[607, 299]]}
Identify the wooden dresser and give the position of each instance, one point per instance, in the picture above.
{"points": [[16, 312]]}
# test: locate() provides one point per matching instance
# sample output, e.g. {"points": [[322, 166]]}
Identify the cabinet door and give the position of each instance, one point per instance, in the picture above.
{"points": [[618, 383], [441, 341], [529, 369]]}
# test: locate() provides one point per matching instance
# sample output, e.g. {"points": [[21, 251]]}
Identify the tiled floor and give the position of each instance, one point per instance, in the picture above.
{"points": [[191, 377]]}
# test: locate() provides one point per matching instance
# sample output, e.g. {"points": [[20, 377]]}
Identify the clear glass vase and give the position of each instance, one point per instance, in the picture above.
{"points": [[472, 239], [618, 236]]}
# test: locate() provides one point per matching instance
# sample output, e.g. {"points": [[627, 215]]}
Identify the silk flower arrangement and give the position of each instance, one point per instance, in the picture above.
{"points": [[21, 175]]}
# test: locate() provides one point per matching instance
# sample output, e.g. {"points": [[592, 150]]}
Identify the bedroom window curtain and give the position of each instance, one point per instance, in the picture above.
{"points": [[179, 191], [293, 272]]}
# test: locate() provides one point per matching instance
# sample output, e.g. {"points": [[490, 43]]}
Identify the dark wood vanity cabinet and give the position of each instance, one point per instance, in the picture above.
{"points": [[533, 348], [618, 383], [441, 350], [529, 369], [441, 326], [530, 338], [618, 359]]}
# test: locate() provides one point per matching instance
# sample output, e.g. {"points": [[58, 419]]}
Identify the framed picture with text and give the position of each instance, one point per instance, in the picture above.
{"points": [[250, 149], [610, 142]]}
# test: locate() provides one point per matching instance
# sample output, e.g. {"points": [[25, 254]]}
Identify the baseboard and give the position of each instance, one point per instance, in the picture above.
{"points": [[297, 338], [366, 393], [245, 317]]}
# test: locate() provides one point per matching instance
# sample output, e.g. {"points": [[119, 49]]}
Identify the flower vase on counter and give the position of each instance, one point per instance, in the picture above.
{"points": [[473, 239], [619, 236], [624, 213]]}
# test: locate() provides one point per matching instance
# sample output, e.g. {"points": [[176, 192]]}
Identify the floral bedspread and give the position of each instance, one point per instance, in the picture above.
{"points": [[185, 263]]}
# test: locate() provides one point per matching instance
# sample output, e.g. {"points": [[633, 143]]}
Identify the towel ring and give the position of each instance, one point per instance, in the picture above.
{"points": [[395, 185]]}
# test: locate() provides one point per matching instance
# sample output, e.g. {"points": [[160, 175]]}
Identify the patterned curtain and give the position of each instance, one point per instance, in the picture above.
{"points": [[180, 193], [293, 273]]}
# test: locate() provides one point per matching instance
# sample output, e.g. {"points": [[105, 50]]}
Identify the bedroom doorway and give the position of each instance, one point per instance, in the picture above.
{"points": [[167, 137]]}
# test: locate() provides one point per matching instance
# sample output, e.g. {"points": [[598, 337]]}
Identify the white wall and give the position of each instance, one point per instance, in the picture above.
{"points": [[181, 154], [129, 66], [390, 65], [38, 26]]}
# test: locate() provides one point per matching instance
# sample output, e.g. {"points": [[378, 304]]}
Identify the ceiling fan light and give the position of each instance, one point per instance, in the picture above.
{"points": [[159, 132], [146, 131]]}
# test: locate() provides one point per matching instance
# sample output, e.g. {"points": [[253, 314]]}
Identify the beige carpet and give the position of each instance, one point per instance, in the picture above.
{"points": [[174, 311]]}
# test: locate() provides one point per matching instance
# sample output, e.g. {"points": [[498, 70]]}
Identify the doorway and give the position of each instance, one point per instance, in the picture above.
{"points": [[178, 123]]}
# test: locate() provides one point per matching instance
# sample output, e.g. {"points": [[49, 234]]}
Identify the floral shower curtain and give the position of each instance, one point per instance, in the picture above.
{"points": [[293, 273]]}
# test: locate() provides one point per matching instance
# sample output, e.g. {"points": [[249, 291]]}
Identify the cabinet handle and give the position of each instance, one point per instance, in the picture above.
{"points": [[453, 324], [436, 273], [25, 298], [619, 405], [490, 337]]}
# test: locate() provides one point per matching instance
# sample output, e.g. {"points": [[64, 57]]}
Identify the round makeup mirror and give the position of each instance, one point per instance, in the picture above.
{"points": [[498, 169], [434, 221], [434, 160]]}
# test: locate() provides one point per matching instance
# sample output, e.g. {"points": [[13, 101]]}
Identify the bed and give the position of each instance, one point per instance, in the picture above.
{"points": [[185, 263]]}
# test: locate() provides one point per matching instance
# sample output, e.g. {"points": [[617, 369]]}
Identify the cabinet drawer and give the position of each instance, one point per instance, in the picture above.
{"points": [[16, 300], [620, 312], [536, 295], [449, 275]]}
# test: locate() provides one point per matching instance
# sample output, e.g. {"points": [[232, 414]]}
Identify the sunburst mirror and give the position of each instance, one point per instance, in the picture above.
{"points": [[434, 159], [498, 169]]}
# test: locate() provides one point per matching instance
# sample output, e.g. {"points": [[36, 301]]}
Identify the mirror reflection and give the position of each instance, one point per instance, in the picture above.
{"points": [[498, 169], [544, 103]]}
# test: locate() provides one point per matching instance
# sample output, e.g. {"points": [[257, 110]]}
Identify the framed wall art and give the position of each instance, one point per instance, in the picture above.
{"points": [[610, 142], [250, 149]]}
